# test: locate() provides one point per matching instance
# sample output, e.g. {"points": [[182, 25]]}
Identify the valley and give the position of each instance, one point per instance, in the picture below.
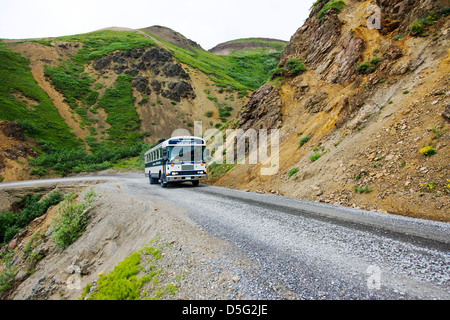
{"points": [[358, 175]]}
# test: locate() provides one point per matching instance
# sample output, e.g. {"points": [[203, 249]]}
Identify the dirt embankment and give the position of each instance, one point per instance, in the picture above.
{"points": [[121, 221], [352, 137]]}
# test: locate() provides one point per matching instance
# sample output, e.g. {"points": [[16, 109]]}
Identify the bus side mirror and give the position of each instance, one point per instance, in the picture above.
{"points": [[164, 153]]}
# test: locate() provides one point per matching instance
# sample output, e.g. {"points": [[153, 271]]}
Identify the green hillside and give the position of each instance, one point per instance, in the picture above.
{"points": [[40, 120], [85, 95], [244, 72]]}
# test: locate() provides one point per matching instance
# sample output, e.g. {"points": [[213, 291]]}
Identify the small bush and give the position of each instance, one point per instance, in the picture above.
{"points": [[304, 140], [292, 172], [375, 61], [315, 156], [294, 66], [336, 5], [361, 189], [278, 73], [428, 151], [33, 207], [416, 29], [8, 272], [71, 220], [368, 67]]}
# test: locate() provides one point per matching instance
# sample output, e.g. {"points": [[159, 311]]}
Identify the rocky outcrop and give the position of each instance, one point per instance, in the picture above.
{"points": [[315, 43], [150, 69], [13, 146], [263, 110]]}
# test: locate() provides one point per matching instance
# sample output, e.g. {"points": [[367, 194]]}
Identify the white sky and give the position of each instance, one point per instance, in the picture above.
{"points": [[207, 22]]}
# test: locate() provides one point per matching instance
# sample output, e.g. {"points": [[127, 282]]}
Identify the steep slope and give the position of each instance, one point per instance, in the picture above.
{"points": [[353, 125]]}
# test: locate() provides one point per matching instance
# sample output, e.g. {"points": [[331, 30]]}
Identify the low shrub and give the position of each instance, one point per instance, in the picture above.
{"points": [[362, 189], [292, 172], [71, 220], [315, 156], [33, 207], [428, 151], [304, 140], [336, 5], [294, 66]]}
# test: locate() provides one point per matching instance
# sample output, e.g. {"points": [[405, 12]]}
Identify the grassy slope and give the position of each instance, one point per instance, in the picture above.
{"points": [[240, 72], [40, 121], [244, 72]]}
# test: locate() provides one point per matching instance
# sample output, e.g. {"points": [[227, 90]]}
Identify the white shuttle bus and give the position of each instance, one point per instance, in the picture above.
{"points": [[175, 160]]}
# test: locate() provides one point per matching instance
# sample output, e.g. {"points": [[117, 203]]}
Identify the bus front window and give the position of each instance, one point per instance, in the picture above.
{"points": [[185, 154]]}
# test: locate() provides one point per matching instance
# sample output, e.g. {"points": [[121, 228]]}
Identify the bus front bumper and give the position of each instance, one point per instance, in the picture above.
{"points": [[180, 178]]}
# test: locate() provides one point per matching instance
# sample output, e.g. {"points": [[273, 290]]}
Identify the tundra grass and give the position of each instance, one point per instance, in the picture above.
{"points": [[240, 72], [40, 120]]}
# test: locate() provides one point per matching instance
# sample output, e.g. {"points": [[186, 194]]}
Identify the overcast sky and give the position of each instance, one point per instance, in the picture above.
{"points": [[207, 22]]}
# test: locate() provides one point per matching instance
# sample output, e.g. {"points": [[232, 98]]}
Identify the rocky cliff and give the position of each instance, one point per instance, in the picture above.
{"points": [[370, 92], [15, 148]]}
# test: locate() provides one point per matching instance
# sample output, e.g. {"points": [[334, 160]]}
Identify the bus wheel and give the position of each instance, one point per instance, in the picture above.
{"points": [[195, 183]]}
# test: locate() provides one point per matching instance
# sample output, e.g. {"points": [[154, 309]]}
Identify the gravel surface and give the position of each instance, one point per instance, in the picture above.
{"points": [[225, 244]]}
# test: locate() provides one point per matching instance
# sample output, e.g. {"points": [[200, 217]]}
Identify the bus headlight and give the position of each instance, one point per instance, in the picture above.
{"points": [[200, 172], [174, 173]]}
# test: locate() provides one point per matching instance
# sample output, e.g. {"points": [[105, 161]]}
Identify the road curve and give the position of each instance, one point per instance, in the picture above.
{"points": [[307, 250]]}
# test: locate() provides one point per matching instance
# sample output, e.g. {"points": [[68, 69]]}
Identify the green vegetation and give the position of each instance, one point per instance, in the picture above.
{"points": [[118, 102], [315, 156], [304, 140], [368, 66], [102, 157], [121, 283], [292, 68], [9, 270], [292, 172], [71, 220], [41, 120], [240, 72], [216, 170], [428, 151], [99, 43], [362, 189], [32, 207], [418, 27], [336, 5], [126, 281], [70, 81], [60, 151]]}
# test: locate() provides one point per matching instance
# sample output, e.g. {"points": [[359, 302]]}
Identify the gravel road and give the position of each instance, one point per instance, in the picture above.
{"points": [[274, 247]]}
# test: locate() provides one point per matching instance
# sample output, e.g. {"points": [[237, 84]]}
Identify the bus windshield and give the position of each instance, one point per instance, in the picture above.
{"points": [[186, 153]]}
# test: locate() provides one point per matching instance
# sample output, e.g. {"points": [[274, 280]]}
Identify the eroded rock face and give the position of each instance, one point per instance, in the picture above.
{"points": [[315, 43], [400, 14], [149, 69], [11, 129], [314, 40], [263, 110], [12, 144]]}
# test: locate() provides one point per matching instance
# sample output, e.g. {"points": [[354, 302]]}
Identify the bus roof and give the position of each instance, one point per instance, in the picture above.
{"points": [[180, 141]]}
